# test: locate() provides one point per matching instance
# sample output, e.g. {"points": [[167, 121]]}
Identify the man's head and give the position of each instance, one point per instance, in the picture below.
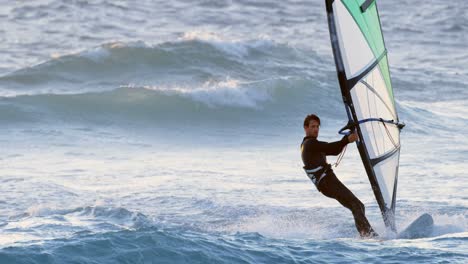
{"points": [[312, 126]]}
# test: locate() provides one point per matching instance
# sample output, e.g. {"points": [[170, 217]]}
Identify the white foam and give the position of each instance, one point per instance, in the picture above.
{"points": [[295, 225], [228, 44], [41, 223], [100, 52], [228, 92], [449, 224]]}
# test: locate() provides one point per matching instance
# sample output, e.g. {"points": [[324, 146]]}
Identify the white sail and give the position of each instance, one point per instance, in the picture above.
{"points": [[364, 77]]}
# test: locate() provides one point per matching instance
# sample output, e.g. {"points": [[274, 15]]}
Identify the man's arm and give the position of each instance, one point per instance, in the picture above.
{"points": [[335, 148], [332, 148]]}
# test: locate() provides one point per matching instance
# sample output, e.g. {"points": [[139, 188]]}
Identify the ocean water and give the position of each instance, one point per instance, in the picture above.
{"points": [[169, 132]]}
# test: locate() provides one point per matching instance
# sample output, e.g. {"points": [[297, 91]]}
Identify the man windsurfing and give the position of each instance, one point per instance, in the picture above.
{"points": [[314, 154]]}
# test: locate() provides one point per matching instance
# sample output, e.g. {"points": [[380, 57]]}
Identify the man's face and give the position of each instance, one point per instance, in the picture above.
{"points": [[313, 129]]}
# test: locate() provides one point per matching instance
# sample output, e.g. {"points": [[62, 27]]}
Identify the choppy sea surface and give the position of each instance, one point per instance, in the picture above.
{"points": [[169, 132]]}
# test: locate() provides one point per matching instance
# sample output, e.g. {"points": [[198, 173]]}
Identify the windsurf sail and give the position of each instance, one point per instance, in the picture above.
{"points": [[364, 77]]}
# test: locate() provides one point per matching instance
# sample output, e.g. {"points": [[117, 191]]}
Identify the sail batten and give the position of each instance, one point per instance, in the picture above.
{"points": [[363, 73]]}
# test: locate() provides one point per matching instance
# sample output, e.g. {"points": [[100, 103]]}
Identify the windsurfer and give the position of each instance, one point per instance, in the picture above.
{"points": [[314, 154]]}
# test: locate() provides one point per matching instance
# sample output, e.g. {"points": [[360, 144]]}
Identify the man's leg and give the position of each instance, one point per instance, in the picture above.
{"points": [[334, 188], [350, 201]]}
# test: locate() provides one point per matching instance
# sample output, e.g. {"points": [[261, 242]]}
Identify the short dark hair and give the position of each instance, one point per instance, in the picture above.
{"points": [[310, 118]]}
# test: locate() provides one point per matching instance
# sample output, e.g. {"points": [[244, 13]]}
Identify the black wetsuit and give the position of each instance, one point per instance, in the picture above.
{"points": [[314, 154]]}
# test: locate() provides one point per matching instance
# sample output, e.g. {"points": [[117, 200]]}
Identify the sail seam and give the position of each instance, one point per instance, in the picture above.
{"points": [[366, 71], [369, 87]]}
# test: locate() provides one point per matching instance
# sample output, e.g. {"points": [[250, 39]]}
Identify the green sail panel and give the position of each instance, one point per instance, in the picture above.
{"points": [[369, 24]]}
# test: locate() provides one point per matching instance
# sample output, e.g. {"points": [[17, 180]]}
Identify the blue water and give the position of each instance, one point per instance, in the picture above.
{"points": [[169, 132]]}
